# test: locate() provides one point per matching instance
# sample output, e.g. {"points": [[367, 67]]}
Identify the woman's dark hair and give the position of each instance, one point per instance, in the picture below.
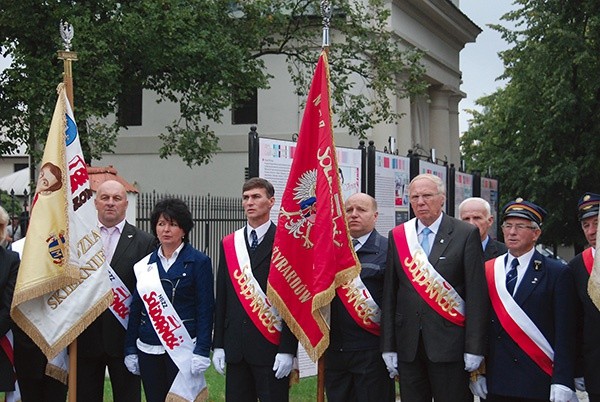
{"points": [[174, 210]]}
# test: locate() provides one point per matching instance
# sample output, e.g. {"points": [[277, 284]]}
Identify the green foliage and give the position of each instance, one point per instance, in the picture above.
{"points": [[540, 135], [197, 53], [11, 205]]}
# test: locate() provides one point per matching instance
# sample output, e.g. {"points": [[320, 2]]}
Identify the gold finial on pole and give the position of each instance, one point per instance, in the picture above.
{"points": [[326, 11], [67, 56]]}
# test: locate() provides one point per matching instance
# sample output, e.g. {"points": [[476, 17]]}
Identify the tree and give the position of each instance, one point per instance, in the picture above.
{"points": [[540, 135], [202, 54]]}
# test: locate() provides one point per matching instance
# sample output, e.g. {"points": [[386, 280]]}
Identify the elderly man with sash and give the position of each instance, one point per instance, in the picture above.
{"points": [[435, 303], [531, 354], [249, 335], [101, 344], [354, 370], [588, 362]]}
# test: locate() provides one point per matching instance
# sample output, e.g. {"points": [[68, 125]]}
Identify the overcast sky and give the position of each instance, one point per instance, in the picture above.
{"points": [[479, 61]]}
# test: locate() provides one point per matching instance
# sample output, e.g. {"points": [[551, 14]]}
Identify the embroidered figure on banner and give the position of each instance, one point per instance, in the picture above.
{"points": [[300, 222]]}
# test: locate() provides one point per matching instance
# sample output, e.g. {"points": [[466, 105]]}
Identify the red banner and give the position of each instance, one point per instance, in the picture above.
{"points": [[312, 253]]}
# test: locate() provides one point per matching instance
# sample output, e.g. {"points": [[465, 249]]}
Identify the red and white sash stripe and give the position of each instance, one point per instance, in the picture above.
{"points": [[429, 284], [588, 259], [7, 342], [172, 333], [264, 315], [514, 320], [121, 298], [360, 305]]}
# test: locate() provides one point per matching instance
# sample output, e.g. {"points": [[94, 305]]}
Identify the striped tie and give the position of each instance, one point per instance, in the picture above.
{"points": [[511, 276]]}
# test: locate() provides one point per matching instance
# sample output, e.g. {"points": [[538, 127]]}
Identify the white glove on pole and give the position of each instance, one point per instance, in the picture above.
{"points": [[479, 387], [580, 384], [391, 363], [131, 362], [561, 393], [199, 364], [283, 365], [472, 362], [219, 360]]}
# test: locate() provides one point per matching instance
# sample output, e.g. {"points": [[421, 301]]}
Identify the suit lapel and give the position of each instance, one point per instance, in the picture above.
{"points": [[442, 239], [263, 250], [533, 276], [124, 241]]}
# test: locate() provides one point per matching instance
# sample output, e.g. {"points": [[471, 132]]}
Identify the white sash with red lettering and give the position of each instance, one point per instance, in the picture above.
{"points": [[264, 315], [360, 305], [429, 284], [514, 320], [121, 298], [171, 332]]}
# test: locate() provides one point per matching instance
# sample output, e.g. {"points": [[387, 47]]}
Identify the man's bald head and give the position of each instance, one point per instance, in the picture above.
{"points": [[111, 203]]}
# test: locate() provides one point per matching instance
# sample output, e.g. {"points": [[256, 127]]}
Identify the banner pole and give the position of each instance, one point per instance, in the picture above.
{"points": [[68, 56]]}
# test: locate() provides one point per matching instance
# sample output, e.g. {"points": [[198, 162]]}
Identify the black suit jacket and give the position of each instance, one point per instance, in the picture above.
{"points": [[547, 296], [9, 265], [493, 249], [234, 330], [588, 336], [106, 334], [457, 255]]}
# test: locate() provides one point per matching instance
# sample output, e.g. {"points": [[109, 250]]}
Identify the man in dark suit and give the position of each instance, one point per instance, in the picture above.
{"points": [[588, 341], [259, 357], [101, 344], [532, 329], [354, 370], [435, 303], [477, 212]]}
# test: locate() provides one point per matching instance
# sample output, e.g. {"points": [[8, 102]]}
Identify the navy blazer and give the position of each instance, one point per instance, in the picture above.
{"points": [[588, 334], [189, 285], [547, 296]]}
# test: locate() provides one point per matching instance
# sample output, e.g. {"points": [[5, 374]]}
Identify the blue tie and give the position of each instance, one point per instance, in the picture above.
{"points": [[511, 276], [254, 238], [425, 240]]}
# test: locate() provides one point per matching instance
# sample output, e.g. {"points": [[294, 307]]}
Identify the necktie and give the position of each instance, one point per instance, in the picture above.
{"points": [[425, 240], [107, 242], [355, 243], [511, 276], [254, 238]]}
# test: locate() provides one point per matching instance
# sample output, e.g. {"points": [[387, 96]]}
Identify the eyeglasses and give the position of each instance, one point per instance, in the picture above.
{"points": [[425, 197], [519, 226]]}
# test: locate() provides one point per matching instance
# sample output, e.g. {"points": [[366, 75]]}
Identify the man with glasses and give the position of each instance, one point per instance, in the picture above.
{"points": [[435, 304], [531, 354], [588, 370]]}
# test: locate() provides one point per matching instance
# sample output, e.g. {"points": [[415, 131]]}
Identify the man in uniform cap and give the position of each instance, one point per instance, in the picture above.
{"points": [[532, 330], [588, 362]]}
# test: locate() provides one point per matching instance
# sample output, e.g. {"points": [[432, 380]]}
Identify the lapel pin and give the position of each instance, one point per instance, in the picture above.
{"points": [[130, 236], [534, 281], [442, 241], [536, 265]]}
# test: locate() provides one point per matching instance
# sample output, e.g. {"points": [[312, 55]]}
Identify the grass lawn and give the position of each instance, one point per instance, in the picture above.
{"points": [[305, 391]]}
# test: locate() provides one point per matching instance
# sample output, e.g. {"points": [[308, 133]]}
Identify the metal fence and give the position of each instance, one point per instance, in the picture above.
{"points": [[214, 217]]}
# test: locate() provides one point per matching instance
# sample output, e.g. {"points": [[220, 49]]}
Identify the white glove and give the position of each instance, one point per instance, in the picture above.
{"points": [[561, 393], [199, 364], [479, 387], [219, 360], [580, 384], [283, 365], [472, 362], [131, 362], [391, 363]]}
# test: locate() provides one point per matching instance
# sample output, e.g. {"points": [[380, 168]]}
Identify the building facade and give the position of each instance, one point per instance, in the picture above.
{"points": [[437, 27]]}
